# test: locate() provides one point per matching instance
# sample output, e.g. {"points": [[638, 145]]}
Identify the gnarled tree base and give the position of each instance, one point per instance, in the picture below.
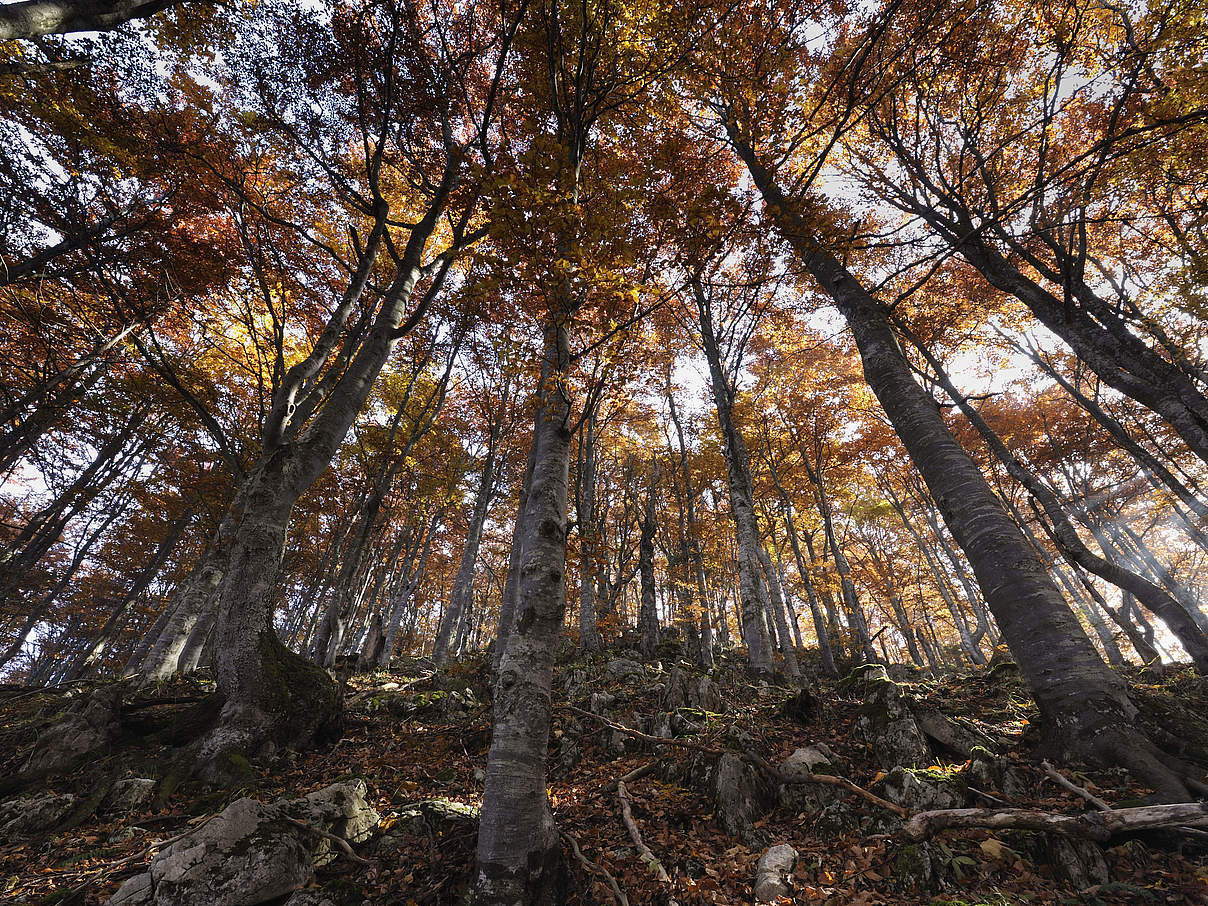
{"points": [[297, 706]]}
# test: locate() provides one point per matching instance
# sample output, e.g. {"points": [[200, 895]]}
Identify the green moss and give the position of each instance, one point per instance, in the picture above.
{"points": [[912, 865], [300, 692]]}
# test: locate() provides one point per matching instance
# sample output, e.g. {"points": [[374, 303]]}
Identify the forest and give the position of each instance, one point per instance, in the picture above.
{"points": [[603, 451]]}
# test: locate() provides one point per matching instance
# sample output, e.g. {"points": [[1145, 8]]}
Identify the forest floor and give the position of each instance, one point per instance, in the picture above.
{"points": [[420, 742]]}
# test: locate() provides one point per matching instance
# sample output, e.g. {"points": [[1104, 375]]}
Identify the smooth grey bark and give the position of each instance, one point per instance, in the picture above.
{"points": [[463, 586], [968, 645], [779, 615], [862, 643], [341, 605], [746, 529], [517, 837], [648, 619], [585, 512], [690, 534], [1084, 705], [193, 598], [35, 18], [1066, 537], [821, 630], [511, 585], [406, 581]]}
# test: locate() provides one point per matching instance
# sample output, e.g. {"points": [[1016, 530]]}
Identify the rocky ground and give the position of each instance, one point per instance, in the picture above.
{"points": [[731, 793]]}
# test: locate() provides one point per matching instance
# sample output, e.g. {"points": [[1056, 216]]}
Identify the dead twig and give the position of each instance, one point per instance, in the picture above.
{"points": [[755, 760], [617, 894], [635, 835], [1099, 826], [1062, 781]]}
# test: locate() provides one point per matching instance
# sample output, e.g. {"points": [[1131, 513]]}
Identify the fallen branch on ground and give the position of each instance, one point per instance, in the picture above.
{"points": [[1062, 781], [755, 760], [1098, 826], [398, 687], [636, 835], [617, 894]]}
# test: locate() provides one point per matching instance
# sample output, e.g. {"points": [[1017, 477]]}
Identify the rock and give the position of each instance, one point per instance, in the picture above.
{"points": [[601, 702], [959, 738], [922, 791], [129, 794], [836, 820], [687, 722], [246, 855], [340, 809], [674, 693], [660, 725], [802, 708], [808, 797], [990, 774], [31, 816], [90, 724], [701, 692], [740, 797], [1078, 862], [739, 738], [333, 893], [252, 852], [912, 867], [569, 751], [623, 668], [804, 761], [311, 896], [887, 723], [772, 873]]}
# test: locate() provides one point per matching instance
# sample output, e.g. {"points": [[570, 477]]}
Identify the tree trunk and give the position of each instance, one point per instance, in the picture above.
{"points": [[1084, 705], [463, 586], [648, 618], [745, 526], [1067, 539], [517, 837], [141, 582], [585, 510], [779, 616]]}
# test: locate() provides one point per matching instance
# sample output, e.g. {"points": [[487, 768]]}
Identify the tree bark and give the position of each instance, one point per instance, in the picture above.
{"points": [[517, 837], [35, 18], [463, 586], [1167, 608], [738, 470], [1084, 705]]}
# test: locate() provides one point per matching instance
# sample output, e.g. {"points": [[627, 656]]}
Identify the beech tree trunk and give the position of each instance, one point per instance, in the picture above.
{"points": [[779, 615], [1084, 705], [36, 18], [517, 837], [1162, 604], [648, 618], [585, 510], [746, 528], [463, 586]]}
